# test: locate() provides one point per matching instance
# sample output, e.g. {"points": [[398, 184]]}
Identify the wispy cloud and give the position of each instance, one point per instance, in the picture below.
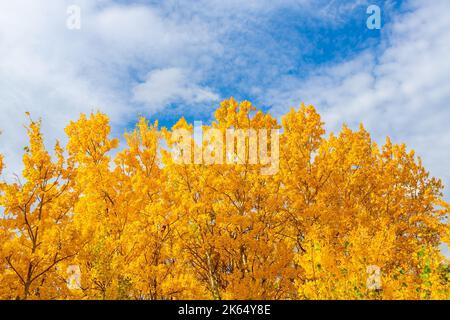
{"points": [[171, 85], [401, 88], [56, 73]]}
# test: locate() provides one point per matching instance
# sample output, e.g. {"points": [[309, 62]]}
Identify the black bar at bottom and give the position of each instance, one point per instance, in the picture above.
{"points": [[224, 309]]}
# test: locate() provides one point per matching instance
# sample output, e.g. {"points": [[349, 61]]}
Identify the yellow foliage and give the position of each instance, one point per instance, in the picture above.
{"points": [[342, 218]]}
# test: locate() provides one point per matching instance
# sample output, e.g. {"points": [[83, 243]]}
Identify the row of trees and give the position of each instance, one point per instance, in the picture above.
{"points": [[139, 225]]}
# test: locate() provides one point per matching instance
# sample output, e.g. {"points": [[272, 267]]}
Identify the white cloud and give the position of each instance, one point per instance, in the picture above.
{"points": [[402, 91], [171, 85], [56, 73]]}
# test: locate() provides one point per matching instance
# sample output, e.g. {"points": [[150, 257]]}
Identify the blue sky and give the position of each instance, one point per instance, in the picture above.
{"points": [[167, 59], [261, 48]]}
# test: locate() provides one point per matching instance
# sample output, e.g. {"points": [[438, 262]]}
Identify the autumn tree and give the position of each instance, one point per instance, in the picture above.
{"points": [[36, 224], [97, 211], [298, 214], [353, 206], [152, 265]]}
